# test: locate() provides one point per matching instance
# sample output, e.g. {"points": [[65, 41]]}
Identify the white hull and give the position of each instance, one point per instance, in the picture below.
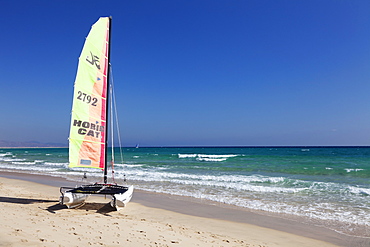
{"points": [[73, 200], [120, 201]]}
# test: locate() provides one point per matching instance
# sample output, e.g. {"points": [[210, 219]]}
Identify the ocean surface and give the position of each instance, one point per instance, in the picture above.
{"points": [[327, 186]]}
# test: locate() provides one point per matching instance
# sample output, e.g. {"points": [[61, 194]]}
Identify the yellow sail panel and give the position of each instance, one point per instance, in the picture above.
{"points": [[88, 122]]}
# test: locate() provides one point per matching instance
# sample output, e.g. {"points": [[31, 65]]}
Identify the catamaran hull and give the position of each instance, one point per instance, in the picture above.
{"points": [[74, 197], [120, 201], [73, 200]]}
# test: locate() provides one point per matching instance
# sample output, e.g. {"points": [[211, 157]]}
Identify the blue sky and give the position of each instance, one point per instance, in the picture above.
{"points": [[204, 72]]}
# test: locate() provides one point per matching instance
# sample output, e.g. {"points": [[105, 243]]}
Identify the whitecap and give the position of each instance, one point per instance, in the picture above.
{"points": [[358, 190], [208, 157], [211, 159], [353, 170], [181, 156]]}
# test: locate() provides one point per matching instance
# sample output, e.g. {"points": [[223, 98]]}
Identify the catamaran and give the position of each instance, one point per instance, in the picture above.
{"points": [[88, 139]]}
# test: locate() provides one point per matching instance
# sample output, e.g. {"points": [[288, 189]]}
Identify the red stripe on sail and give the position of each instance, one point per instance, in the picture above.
{"points": [[104, 96]]}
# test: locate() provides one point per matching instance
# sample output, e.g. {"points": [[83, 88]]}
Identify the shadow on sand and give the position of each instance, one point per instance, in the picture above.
{"points": [[23, 200], [101, 208]]}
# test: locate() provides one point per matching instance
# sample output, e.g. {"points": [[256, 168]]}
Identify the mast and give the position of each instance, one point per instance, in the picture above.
{"points": [[107, 104]]}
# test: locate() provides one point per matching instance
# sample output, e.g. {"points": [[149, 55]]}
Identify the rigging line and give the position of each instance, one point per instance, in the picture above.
{"points": [[111, 121], [116, 114]]}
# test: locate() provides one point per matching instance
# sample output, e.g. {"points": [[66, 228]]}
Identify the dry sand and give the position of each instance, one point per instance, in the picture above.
{"points": [[30, 215]]}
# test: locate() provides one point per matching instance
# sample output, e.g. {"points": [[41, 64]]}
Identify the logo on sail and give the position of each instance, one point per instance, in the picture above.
{"points": [[94, 60], [89, 129]]}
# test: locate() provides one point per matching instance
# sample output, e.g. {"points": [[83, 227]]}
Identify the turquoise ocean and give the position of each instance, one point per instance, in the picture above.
{"points": [[326, 186]]}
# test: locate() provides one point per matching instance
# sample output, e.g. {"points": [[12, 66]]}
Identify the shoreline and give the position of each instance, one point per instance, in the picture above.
{"points": [[196, 208]]}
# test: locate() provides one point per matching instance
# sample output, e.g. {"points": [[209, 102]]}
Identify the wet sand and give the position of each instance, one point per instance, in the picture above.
{"points": [[31, 216]]}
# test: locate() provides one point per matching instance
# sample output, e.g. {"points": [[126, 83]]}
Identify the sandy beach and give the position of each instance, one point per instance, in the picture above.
{"points": [[31, 216]]}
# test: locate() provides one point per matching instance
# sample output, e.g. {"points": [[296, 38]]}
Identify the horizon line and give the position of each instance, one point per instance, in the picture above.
{"points": [[219, 146]]}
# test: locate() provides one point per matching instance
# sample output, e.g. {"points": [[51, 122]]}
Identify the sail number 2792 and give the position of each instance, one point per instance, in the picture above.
{"points": [[87, 98]]}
